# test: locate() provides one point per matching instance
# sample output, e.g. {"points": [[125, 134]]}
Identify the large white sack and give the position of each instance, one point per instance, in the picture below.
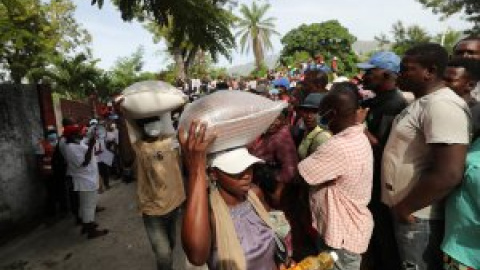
{"points": [[236, 117], [151, 98], [148, 99]]}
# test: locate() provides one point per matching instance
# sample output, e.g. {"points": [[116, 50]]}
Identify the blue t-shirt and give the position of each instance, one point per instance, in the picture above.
{"points": [[462, 214]]}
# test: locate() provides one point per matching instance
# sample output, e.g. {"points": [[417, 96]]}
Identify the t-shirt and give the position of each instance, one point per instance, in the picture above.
{"points": [[384, 107], [441, 117], [312, 141], [159, 180], [462, 214], [85, 178]]}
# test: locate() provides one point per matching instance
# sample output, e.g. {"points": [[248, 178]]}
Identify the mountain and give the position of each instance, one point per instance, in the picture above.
{"points": [[360, 47]]}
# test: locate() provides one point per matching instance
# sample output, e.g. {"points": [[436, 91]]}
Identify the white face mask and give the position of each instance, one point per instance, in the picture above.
{"points": [[153, 129]]}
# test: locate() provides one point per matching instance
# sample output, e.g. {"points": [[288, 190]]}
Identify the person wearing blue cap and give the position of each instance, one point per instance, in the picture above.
{"points": [[380, 76]]}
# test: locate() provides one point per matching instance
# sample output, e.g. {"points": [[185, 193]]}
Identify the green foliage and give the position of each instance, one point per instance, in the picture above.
{"points": [[296, 57], [73, 77], [328, 39], [34, 32], [261, 72], [255, 31], [447, 8], [449, 39], [205, 24], [405, 37], [128, 70]]}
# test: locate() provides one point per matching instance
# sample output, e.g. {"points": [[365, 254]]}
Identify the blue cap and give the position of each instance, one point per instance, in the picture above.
{"points": [[282, 82], [384, 60]]}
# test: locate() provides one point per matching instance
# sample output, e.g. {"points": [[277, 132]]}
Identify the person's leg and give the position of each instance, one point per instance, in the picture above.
{"points": [[104, 173], [88, 203], [383, 252], [51, 208], [61, 194], [419, 244], [159, 230], [74, 199]]}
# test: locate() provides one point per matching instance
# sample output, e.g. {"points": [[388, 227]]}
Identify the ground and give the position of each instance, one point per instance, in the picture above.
{"points": [[60, 245]]}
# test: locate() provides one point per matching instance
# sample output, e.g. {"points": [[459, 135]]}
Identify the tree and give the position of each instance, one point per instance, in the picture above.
{"points": [[405, 37], [128, 70], [74, 77], [255, 31], [470, 7], [448, 39], [328, 38], [187, 26], [33, 32]]}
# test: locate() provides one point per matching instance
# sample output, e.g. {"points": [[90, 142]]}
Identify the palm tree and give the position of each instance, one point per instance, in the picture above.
{"points": [[255, 31], [73, 76]]}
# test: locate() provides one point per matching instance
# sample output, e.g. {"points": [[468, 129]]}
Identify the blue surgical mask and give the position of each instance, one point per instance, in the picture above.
{"points": [[323, 121], [52, 138]]}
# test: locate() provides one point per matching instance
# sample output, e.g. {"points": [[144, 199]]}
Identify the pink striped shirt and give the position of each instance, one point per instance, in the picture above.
{"points": [[340, 173]]}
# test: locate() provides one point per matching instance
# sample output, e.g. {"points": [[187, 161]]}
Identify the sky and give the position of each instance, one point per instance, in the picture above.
{"points": [[113, 38]]}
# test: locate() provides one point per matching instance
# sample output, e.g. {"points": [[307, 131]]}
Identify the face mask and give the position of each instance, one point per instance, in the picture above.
{"points": [[323, 120], [52, 138], [153, 129]]}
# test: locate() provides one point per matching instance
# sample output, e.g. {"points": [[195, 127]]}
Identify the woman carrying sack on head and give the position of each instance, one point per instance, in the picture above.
{"points": [[225, 225]]}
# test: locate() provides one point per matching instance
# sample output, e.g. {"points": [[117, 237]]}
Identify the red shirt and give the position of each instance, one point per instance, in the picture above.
{"points": [[280, 149]]}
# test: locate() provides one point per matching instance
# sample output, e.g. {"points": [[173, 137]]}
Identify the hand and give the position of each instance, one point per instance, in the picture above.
{"points": [[117, 105], [194, 146], [361, 115], [402, 214]]}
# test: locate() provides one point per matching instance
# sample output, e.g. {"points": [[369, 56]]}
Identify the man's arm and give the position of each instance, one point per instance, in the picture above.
{"points": [[88, 154], [437, 182], [125, 146]]}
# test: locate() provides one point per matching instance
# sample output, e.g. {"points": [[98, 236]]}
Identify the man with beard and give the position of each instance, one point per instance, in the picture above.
{"points": [[380, 76]]}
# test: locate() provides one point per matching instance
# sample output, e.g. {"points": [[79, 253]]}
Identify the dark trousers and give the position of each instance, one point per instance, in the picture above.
{"points": [[56, 197], [104, 171], [161, 232], [382, 251], [73, 197]]}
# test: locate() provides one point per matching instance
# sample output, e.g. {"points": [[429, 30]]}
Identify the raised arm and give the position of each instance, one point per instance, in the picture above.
{"points": [[125, 147], [196, 227]]}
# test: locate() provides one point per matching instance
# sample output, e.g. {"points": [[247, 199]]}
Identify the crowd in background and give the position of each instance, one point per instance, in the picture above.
{"points": [[386, 180]]}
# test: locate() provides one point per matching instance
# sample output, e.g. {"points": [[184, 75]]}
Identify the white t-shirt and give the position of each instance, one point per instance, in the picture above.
{"points": [[84, 178], [105, 155], [441, 117]]}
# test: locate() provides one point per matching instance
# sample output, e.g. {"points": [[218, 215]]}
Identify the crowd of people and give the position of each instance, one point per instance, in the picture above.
{"points": [[384, 181]]}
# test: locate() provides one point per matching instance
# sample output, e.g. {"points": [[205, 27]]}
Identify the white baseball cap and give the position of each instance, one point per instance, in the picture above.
{"points": [[233, 161]]}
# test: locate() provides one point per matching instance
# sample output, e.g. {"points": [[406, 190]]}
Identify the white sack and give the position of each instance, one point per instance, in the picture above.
{"points": [[236, 117], [151, 98], [148, 99]]}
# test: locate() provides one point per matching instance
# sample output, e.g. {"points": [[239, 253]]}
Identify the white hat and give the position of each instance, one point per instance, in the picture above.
{"points": [[233, 161]]}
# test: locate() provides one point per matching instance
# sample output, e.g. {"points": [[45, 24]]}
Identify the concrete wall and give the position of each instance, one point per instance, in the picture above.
{"points": [[21, 192]]}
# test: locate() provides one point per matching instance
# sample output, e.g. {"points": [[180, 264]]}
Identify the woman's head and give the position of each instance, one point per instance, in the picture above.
{"points": [[232, 170]]}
